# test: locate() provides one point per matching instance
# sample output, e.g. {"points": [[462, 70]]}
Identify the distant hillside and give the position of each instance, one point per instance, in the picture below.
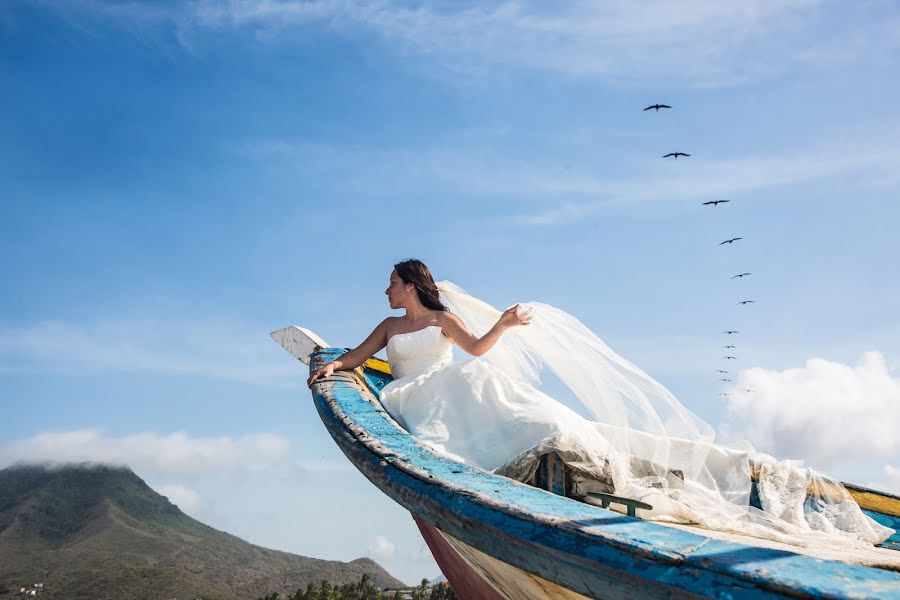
{"points": [[97, 532]]}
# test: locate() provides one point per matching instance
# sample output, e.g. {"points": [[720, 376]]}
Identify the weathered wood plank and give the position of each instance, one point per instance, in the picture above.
{"points": [[551, 474]]}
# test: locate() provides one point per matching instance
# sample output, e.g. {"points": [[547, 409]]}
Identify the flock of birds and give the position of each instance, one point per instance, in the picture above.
{"points": [[724, 373]]}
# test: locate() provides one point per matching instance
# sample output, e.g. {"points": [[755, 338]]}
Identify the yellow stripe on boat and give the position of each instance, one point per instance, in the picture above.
{"points": [[870, 500], [376, 364]]}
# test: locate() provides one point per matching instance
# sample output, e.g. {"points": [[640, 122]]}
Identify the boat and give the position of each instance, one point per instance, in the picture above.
{"points": [[496, 538]]}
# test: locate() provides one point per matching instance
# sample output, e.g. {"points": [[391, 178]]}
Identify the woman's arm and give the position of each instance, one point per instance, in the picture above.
{"points": [[456, 330], [352, 359]]}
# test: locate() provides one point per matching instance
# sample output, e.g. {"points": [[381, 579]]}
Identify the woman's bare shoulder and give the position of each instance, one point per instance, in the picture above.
{"points": [[390, 323], [446, 317]]}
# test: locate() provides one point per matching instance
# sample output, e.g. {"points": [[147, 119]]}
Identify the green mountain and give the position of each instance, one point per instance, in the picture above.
{"points": [[100, 532]]}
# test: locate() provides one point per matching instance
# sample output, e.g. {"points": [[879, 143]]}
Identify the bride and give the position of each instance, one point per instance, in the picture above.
{"points": [[640, 443]]}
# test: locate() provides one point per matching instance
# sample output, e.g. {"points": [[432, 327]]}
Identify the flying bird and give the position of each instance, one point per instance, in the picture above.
{"points": [[730, 357], [720, 371], [656, 107], [675, 154], [751, 391], [723, 394], [728, 346], [746, 301], [715, 202], [739, 275], [731, 241], [730, 331], [728, 380]]}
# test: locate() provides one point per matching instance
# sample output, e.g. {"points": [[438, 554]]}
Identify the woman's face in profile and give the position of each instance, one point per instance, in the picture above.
{"points": [[396, 291]]}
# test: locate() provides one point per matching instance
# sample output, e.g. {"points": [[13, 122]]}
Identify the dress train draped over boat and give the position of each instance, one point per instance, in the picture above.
{"points": [[641, 442]]}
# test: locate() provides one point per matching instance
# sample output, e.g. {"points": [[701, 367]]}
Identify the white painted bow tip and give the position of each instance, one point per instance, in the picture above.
{"points": [[299, 342]]}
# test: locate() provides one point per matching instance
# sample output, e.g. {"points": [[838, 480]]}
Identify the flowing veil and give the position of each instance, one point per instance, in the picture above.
{"points": [[652, 448]]}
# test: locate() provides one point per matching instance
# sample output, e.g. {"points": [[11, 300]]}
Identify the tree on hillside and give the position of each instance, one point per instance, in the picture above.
{"points": [[310, 593], [442, 591]]}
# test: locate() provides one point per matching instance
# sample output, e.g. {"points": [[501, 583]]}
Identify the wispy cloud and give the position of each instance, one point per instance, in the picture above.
{"points": [[185, 498], [382, 548], [174, 454], [694, 42], [220, 349], [727, 177], [570, 194], [699, 41]]}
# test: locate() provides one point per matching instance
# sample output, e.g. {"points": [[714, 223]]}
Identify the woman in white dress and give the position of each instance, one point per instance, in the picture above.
{"points": [[642, 442]]}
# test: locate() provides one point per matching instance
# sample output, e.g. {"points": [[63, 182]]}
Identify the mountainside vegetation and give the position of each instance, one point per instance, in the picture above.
{"points": [[98, 532]]}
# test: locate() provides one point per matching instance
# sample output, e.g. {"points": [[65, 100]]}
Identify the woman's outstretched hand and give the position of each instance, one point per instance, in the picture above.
{"points": [[514, 316], [323, 371]]}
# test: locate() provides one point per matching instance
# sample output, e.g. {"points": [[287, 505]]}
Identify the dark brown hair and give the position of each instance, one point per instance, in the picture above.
{"points": [[415, 272]]}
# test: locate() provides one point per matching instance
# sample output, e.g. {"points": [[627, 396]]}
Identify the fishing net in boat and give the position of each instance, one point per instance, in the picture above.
{"points": [[643, 444]]}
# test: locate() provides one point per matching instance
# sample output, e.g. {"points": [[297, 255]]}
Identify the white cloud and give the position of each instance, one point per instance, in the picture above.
{"points": [[188, 500], [382, 548], [825, 412], [220, 349], [172, 454]]}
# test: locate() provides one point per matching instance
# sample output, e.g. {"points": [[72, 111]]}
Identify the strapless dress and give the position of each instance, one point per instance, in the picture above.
{"points": [[470, 410]]}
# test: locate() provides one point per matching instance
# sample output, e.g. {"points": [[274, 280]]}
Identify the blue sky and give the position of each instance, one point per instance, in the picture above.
{"points": [[179, 179]]}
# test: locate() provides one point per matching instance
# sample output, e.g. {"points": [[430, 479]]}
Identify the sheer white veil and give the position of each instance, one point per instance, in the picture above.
{"points": [[640, 419], [614, 391]]}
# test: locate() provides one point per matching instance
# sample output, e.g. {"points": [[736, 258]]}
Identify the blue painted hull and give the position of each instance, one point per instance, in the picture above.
{"points": [[590, 551]]}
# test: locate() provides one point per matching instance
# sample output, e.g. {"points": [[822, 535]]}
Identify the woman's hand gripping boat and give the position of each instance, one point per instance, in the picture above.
{"points": [[494, 537]]}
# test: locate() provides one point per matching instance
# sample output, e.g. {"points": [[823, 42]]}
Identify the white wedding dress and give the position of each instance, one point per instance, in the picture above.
{"points": [[643, 443], [469, 410]]}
